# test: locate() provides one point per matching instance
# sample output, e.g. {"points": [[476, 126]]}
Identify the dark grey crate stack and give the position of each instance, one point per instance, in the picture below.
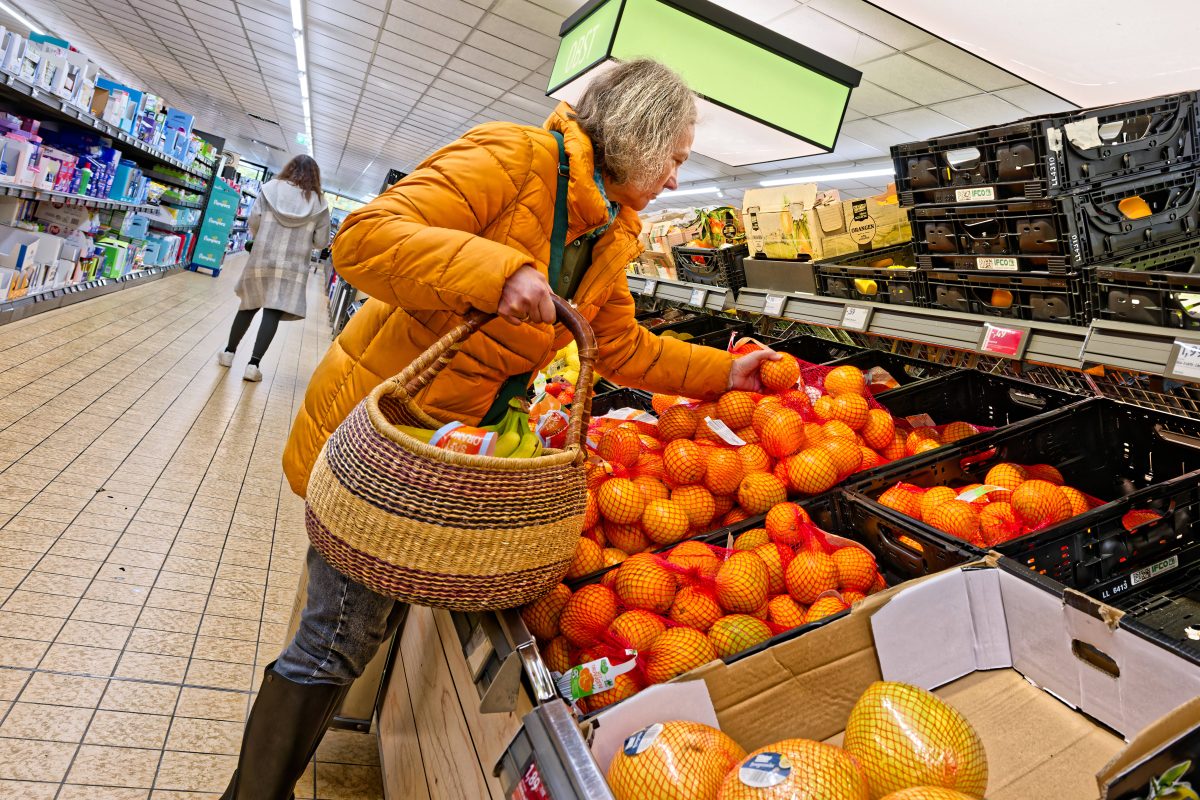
{"points": [[1043, 200]]}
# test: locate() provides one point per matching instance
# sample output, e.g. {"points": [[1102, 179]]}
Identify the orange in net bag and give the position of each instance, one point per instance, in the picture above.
{"points": [[905, 736], [673, 761]]}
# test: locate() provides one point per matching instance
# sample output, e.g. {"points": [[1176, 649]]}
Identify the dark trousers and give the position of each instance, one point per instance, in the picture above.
{"points": [[266, 330]]}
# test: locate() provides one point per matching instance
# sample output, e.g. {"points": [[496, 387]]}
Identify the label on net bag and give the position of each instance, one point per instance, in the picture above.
{"points": [[598, 676], [640, 742], [724, 432], [765, 770], [459, 438]]}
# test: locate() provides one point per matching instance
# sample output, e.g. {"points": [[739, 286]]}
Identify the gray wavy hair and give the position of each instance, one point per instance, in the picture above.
{"points": [[635, 114]]}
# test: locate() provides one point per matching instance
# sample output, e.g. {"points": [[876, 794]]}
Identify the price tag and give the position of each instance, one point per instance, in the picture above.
{"points": [[1184, 363], [699, 298], [773, 305], [856, 318], [649, 287], [1000, 340]]}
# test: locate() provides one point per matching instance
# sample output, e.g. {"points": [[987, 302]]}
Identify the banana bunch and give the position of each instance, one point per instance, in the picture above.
{"points": [[515, 439]]}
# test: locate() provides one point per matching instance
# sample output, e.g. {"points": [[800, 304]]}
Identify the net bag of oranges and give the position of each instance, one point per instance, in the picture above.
{"points": [[444, 529]]}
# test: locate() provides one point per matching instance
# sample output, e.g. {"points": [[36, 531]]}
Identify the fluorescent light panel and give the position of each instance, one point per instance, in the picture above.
{"points": [[21, 18], [693, 190], [830, 176], [302, 68]]}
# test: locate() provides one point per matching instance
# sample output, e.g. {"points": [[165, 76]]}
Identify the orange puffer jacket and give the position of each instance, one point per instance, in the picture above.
{"points": [[444, 240]]}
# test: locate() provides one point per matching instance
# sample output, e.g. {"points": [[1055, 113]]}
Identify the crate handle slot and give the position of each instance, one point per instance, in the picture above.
{"points": [[1095, 657], [912, 559], [963, 158], [1026, 399], [1184, 439]]}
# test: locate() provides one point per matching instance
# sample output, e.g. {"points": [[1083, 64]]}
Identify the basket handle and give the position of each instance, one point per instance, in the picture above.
{"points": [[421, 372]]}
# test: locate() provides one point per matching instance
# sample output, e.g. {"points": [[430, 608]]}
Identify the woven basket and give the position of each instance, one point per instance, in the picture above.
{"points": [[448, 530]]}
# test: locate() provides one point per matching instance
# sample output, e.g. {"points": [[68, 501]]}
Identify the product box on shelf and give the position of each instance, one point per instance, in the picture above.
{"points": [[781, 276], [887, 275], [1050, 155], [1061, 234], [1112, 456], [1072, 687], [778, 220], [1154, 287], [857, 226], [1030, 296]]}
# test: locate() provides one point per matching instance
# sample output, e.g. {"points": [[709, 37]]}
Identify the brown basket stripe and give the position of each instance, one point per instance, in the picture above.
{"points": [[368, 467], [457, 593]]}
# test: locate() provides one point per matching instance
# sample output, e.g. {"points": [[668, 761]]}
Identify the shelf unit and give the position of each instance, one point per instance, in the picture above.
{"points": [[162, 226], [708, 298], [66, 198], [52, 105], [162, 177], [50, 299]]}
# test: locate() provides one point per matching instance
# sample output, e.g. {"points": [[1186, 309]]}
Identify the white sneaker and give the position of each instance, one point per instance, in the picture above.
{"points": [[225, 358], [253, 374]]}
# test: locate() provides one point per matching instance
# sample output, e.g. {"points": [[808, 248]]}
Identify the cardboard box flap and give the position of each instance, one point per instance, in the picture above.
{"points": [[913, 651], [1165, 733]]}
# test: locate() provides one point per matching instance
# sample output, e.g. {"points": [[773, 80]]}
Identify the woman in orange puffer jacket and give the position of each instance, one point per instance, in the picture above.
{"points": [[471, 228]]}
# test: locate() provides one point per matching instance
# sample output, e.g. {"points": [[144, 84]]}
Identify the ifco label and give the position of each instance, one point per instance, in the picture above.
{"points": [[640, 742], [1143, 575], [975, 194], [765, 770], [1005, 264]]}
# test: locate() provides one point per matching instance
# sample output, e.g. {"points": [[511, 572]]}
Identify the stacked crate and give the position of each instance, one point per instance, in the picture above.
{"points": [[1012, 221]]}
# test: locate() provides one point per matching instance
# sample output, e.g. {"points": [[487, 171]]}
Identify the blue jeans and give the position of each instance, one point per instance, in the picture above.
{"points": [[341, 628]]}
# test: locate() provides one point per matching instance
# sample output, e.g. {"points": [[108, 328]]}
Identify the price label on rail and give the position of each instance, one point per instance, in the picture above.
{"points": [[856, 318], [699, 298], [649, 287], [1001, 340], [773, 305], [1184, 363]]}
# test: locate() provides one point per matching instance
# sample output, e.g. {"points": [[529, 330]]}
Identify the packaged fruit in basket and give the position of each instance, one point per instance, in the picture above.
{"points": [[901, 742], [1011, 501], [656, 616]]}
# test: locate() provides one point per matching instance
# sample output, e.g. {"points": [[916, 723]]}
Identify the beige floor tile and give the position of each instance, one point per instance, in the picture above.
{"points": [[170, 794], [50, 605], [228, 607], [94, 634], [128, 729], [11, 578], [190, 566], [51, 583], [347, 782], [140, 697], [29, 626], [216, 704], [64, 690], [349, 747], [126, 556], [76, 549], [237, 590], [164, 619], [110, 592], [201, 772], [47, 723], [98, 765], [103, 611], [205, 736], [21, 653], [11, 682], [177, 582], [220, 675], [27, 790], [75, 567], [176, 601], [149, 667], [233, 650], [230, 628], [73, 792], [78, 658], [162, 643], [30, 760], [123, 573], [97, 536]]}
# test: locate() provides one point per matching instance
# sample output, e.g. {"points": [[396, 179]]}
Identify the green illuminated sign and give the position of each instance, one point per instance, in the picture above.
{"points": [[586, 43]]}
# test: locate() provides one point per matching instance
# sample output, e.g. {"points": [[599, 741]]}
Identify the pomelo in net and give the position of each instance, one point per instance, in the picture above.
{"points": [[796, 769], [904, 736], [673, 761], [684, 462], [665, 521], [786, 612], [695, 608], [620, 500], [759, 491], [637, 629], [825, 607], [694, 556], [677, 422], [736, 409], [780, 375], [845, 380], [1040, 503]]}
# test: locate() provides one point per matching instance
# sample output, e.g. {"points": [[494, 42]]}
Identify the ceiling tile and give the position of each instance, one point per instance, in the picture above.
{"points": [[874, 22], [970, 68], [1034, 100], [908, 77], [922, 123], [870, 100], [980, 110]]}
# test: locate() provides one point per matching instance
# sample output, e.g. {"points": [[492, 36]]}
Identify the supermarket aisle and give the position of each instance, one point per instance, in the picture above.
{"points": [[150, 549]]}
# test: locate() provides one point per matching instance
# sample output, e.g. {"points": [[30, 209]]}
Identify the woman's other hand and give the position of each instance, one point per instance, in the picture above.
{"points": [[526, 298], [743, 375]]}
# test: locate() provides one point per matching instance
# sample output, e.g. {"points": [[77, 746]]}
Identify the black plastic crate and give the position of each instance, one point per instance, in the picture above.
{"points": [[905, 369], [606, 402], [1098, 555], [1155, 287], [1049, 155], [1061, 234], [1028, 296], [702, 325], [1108, 450], [716, 266], [980, 398], [892, 269], [814, 349]]}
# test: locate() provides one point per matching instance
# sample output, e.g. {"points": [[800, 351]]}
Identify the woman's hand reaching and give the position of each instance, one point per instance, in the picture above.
{"points": [[526, 298], [743, 375]]}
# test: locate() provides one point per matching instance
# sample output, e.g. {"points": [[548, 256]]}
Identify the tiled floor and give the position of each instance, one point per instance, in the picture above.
{"points": [[149, 549]]}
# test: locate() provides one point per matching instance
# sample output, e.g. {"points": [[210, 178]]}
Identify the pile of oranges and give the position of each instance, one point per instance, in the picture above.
{"points": [[686, 606], [1013, 500]]}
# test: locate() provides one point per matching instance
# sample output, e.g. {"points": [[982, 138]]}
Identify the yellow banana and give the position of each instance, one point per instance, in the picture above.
{"points": [[423, 434], [507, 444]]}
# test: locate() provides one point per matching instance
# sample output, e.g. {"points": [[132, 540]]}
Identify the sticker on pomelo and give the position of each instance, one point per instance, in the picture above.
{"points": [[641, 741], [765, 770], [724, 432]]}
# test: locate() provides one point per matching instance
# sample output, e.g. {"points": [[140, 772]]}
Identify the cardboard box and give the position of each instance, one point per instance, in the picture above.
{"points": [[1020, 662], [867, 224], [781, 276]]}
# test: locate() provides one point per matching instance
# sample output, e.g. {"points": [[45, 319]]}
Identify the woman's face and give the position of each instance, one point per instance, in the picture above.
{"points": [[638, 197]]}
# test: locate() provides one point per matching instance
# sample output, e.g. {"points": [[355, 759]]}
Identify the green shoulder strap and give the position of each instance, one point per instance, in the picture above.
{"points": [[517, 385]]}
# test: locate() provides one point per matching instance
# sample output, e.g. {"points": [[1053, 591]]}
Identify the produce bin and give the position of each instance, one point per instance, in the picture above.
{"points": [[814, 349], [1157, 287], [607, 402], [905, 369], [1061, 234], [706, 329], [1040, 298], [712, 266], [1049, 155], [1123, 455], [897, 285]]}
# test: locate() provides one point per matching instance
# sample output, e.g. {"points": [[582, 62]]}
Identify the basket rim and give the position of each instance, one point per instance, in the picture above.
{"points": [[550, 458]]}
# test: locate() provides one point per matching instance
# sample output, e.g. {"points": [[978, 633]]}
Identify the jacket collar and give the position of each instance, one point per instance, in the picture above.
{"points": [[589, 208]]}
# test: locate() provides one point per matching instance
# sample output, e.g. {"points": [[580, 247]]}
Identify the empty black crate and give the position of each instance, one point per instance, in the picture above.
{"points": [[814, 349], [897, 285], [715, 266], [1105, 449], [1113, 561], [1155, 287], [1061, 234], [980, 398], [701, 325], [607, 402], [1038, 297], [1049, 155]]}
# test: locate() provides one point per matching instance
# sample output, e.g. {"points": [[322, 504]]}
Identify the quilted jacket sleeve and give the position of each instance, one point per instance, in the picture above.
{"points": [[633, 356], [419, 246]]}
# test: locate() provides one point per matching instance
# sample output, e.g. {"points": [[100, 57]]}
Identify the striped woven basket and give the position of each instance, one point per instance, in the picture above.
{"points": [[448, 530]]}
